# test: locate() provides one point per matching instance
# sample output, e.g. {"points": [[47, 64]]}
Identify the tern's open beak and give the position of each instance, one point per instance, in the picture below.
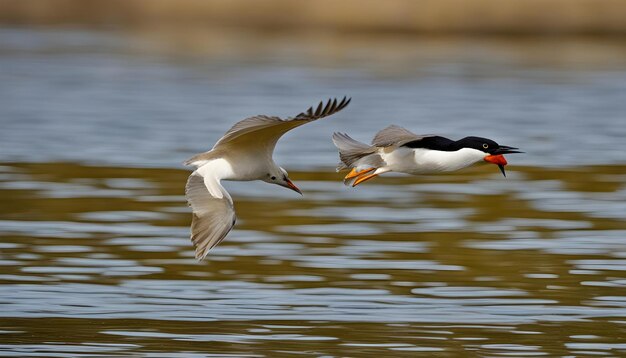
{"points": [[292, 186], [505, 149], [502, 170], [498, 160]]}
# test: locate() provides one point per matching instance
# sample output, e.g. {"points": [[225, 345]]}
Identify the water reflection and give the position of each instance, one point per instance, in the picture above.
{"points": [[343, 272]]}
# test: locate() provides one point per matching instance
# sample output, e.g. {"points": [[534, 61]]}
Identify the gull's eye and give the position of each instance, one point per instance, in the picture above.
{"points": [[273, 178], [485, 145]]}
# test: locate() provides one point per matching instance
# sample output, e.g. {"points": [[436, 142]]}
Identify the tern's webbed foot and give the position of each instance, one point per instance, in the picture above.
{"points": [[354, 173], [363, 178]]}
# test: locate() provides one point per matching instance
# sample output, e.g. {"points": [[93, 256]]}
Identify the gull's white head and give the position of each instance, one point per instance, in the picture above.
{"points": [[277, 175]]}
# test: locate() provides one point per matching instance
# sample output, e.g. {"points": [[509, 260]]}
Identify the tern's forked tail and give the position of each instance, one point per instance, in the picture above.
{"points": [[359, 157]]}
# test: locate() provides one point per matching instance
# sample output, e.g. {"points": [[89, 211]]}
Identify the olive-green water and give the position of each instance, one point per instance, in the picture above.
{"points": [[95, 258]]}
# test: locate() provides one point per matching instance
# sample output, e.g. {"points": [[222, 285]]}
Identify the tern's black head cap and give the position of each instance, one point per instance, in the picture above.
{"points": [[485, 145]]}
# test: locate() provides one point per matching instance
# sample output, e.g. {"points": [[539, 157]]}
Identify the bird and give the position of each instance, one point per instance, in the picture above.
{"points": [[244, 153], [396, 149]]}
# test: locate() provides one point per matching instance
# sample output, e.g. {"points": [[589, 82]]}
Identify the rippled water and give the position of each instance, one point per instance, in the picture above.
{"points": [[95, 258]]}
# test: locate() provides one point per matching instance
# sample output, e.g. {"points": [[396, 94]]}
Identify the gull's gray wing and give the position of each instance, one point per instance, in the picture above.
{"points": [[395, 136], [262, 132], [213, 217]]}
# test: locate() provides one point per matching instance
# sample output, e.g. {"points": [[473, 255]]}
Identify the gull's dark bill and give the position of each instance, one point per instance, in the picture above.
{"points": [[292, 186]]}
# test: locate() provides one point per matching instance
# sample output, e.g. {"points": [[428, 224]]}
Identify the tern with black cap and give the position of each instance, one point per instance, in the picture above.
{"points": [[395, 149], [244, 153]]}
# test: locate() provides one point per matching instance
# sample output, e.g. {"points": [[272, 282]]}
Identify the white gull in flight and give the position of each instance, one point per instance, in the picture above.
{"points": [[244, 153]]}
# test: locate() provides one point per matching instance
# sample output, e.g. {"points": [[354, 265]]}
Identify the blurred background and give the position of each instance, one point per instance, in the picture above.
{"points": [[101, 102]]}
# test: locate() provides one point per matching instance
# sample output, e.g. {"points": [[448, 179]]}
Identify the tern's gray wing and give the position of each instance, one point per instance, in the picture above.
{"points": [[395, 136], [259, 132], [213, 217]]}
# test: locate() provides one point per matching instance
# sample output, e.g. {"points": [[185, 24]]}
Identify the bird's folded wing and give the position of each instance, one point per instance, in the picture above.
{"points": [[213, 218], [261, 131], [395, 136]]}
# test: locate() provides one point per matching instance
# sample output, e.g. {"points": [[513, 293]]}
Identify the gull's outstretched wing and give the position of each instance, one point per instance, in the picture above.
{"points": [[395, 136], [260, 133], [213, 217]]}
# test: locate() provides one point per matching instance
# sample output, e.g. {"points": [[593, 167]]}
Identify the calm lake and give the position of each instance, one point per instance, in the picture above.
{"points": [[95, 258]]}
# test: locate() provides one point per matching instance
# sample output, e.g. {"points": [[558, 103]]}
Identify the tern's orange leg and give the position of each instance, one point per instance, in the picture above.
{"points": [[353, 173], [363, 178]]}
